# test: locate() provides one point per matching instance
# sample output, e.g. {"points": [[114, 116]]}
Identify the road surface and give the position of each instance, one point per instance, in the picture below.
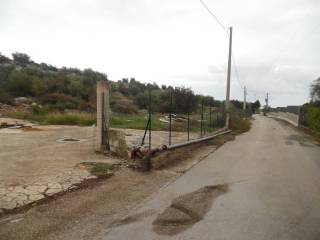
{"points": [[273, 172]]}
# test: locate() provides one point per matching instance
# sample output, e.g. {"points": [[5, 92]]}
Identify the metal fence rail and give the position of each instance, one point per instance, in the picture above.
{"points": [[183, 127]]}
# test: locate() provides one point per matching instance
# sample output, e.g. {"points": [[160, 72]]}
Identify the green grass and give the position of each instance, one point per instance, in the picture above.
{"points": [[240, 125], [100, 169], [133, 121], [139, 121], [35, 118], [80, 119], [136, 121]]}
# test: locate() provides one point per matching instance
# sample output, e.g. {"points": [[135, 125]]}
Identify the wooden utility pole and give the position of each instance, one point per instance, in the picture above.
{"points": [[228, 81], [267, 105], [244, 98]]}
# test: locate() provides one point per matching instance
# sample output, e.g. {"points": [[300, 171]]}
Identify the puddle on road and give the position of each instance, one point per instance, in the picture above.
{"points": [[187, 210], [135, 217]]}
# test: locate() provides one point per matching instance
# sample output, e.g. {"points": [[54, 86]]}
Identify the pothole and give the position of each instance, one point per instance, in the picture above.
{"points": [[187, 210]]}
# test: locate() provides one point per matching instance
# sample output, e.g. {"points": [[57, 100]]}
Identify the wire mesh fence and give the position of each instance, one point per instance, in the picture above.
{"points": [[184, 121]]}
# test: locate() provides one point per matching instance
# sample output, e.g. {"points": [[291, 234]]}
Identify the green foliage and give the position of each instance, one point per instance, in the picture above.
{"points": [[5, 97], [100, 169], [239, 121], [122, 104], [185, 100], [315, 90], [59, 89], [21, 58], [60, 101], [35, 118], [136, 121], [240, 125], [4, 59], [256, 106], [80, 119], [64, 88], [311, 116]]}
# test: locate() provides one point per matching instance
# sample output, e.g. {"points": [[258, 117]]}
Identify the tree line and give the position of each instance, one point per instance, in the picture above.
{"points": [[72, 88]]}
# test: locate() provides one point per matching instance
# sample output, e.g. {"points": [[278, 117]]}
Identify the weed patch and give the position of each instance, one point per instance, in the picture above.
{"points": [[80, 119], [240, 125], [101, 170]]}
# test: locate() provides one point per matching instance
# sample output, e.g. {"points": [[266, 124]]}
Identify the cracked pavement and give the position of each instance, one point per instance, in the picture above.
{"points": [[18, 196], [34, 165]]}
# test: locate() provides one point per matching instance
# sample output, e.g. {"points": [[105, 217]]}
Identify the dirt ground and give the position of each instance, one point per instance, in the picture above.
{"points": [[83, 214], [88, 212], [35, 158], [29, 156]]}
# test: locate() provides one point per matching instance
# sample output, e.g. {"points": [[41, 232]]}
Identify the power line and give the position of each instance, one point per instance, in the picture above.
{"points": [[236, 71], [220, 23], [224, 28], [214, 16]]}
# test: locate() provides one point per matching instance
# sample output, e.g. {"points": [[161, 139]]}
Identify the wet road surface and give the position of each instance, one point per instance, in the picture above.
{"points": [[272, 174]]}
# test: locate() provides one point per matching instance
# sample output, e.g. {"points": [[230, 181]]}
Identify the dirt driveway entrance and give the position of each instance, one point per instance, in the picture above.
{"points": [[36, 162]]}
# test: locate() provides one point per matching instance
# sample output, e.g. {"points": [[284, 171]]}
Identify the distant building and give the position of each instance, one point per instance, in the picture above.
{"points": [[293, 109]]}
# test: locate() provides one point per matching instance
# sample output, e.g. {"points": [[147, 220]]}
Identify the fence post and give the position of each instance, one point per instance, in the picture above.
{"points": [[170, 118], [210, 121], [188, 125], [103, 115], [201, 125], [150, 119]]}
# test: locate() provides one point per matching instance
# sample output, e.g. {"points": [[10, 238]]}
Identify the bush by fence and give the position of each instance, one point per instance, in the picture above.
{"points": [[310, 117]]}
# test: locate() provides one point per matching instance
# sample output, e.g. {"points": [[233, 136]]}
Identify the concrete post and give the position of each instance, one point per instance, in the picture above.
{"points": [[103, 115], [228, 81]]}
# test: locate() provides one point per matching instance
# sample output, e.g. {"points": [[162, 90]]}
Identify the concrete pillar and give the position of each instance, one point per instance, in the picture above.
{"points": [[103, 115]]}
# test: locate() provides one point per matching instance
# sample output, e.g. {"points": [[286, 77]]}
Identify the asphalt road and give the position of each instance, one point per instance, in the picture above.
{"points": [[273, 172]]}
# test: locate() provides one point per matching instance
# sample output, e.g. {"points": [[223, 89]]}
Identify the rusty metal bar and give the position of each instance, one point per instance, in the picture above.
{"points": [[218, 133], [145, 132]]}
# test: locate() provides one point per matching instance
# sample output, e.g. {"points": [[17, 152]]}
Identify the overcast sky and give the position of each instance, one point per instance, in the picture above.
{"points": [[176, 42]]}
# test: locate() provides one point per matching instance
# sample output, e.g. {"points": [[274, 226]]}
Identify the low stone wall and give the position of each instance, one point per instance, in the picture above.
{"points": [[118, 145], [286, 116]]}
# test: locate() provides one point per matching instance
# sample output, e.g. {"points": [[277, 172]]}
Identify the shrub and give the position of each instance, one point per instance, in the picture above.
{"points": [[81, 119], [27, 116], [6, 97], [240, 125], [121, 104], [312, 116], [60, 101]]}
